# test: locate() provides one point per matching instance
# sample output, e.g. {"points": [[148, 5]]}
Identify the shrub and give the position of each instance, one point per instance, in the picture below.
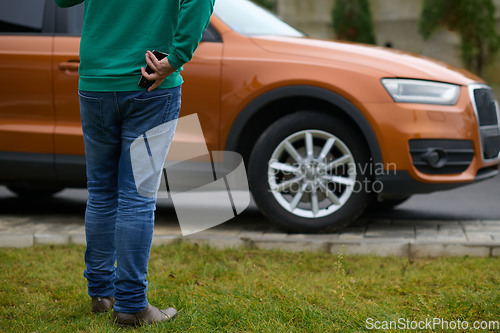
{"points": [[269, 4], [352, 21], [472, 20]]}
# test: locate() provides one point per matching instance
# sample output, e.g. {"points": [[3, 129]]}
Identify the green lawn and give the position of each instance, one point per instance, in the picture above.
{"points": [[43, 290]]}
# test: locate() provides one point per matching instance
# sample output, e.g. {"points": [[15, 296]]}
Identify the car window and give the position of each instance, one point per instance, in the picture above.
{"points": [[248, 19], [40, 17], [22, 16], [211, 35], [69, 20], [43, 16]]}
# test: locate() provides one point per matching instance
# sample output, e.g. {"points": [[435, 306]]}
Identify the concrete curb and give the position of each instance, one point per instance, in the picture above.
{"points": [[401, 238], [382, 247]]}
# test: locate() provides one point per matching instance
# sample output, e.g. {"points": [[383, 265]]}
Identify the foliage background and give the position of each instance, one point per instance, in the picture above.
{"points": [[396, 23], [352, 21], [472, 20], [269, 4]]}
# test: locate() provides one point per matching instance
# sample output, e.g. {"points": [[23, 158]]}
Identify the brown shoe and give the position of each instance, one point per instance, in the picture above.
{"points": [[102, 304], [150, 315]]}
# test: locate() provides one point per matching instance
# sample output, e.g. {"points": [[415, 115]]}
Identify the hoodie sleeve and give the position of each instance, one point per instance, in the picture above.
{"points": [[194, 17], [67, 3]]}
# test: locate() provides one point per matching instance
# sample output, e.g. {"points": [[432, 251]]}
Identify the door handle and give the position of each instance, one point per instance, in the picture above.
{"points": [[70, 67]]}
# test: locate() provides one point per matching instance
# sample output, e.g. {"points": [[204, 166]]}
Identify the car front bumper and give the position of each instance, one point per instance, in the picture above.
{"points": [[427, 148]]}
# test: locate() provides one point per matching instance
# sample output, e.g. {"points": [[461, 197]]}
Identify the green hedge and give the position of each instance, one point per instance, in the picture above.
{"points": [[269, 4], [352, 21], [472, 20]]}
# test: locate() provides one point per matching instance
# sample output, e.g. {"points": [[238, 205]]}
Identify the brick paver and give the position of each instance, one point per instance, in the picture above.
{"points": [[405, 238]]}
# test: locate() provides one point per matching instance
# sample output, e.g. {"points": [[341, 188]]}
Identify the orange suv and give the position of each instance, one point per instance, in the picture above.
{"points": [[324, 127]]}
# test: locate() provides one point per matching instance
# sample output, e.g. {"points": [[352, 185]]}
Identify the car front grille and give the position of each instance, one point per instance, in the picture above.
{"points": [[486, 107], [488, 116]]}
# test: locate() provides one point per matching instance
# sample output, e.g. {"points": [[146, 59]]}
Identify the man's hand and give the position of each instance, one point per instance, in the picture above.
{"points": [[161, 68]]}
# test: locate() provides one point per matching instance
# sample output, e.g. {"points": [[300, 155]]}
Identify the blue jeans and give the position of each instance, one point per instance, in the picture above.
{"points": [[118, 221]]}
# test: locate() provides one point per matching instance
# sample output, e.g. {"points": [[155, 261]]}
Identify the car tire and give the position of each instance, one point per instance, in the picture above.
{"points": [[308, 170], [35, 192]]}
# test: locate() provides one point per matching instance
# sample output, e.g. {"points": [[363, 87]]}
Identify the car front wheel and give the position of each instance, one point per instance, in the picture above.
{"points": [[309, 172]]}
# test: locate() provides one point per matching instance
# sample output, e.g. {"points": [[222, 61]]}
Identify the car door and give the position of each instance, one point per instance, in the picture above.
{"points": [[26, 104], [201, 94], [201, 91], [68, 138]]}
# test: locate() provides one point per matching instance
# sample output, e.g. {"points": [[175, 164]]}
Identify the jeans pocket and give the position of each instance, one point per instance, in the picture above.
{"points": [[149, 112], [91, 114]]}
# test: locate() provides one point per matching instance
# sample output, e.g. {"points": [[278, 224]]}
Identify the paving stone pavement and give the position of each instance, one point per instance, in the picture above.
{"points": [[379, 237]]}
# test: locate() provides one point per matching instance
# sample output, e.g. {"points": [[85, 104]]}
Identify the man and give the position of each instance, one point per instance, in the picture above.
{"points": [[117, 39]]}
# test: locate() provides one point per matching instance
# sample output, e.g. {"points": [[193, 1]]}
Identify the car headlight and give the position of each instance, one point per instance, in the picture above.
{"points": [[422, 92]]}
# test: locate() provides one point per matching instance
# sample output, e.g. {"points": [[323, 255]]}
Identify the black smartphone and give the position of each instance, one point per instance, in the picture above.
{"points": [[145, 83]]}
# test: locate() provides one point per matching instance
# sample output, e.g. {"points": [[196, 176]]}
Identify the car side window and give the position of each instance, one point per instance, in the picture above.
{"points": [[43, 16], [22, 16], [211, 35], [69, 21], [40, 17]]}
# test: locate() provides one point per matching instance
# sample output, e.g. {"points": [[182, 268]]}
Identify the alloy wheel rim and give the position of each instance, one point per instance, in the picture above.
{"points": [[312, 173]]}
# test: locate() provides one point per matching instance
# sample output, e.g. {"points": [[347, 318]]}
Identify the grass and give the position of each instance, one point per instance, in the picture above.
{"points": [[42, 289]]}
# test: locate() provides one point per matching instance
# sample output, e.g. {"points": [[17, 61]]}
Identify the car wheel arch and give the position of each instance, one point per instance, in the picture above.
{"points": [[245, 123]]}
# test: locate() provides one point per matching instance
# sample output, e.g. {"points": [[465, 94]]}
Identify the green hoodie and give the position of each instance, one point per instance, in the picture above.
{"points": [[117, 33]]}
